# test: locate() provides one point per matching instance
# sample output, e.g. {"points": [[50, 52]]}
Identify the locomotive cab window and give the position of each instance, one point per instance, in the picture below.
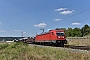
{"points": [[60, 33], [52, 33]]}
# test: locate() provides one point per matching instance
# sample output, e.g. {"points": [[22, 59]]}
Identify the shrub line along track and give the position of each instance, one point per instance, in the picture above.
{"points": [[78, 47]]}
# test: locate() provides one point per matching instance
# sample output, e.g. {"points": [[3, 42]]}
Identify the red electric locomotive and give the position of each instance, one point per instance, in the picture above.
{"points": [[53, 36]]}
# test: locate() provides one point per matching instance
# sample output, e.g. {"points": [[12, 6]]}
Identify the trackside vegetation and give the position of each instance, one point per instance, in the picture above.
{"points": [[22, 51]]}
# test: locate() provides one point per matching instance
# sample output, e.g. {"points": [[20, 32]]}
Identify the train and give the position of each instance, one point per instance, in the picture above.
{"points": [[55, 37]]}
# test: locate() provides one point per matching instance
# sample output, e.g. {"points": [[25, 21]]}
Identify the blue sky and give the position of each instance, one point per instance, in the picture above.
{"points": [[29, 16]]}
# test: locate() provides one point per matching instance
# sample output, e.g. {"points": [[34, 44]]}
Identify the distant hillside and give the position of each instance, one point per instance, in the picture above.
{"points": [[9, 38]]}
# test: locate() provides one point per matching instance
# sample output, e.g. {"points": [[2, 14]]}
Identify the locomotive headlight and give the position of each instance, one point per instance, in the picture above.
{"points": [[58, 36], [63, 36]]}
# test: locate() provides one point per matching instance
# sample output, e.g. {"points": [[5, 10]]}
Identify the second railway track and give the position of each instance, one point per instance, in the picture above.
{"points": [[78, 47]]}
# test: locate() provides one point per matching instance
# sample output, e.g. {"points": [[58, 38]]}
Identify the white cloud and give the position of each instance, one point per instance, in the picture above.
{"points": [[49, 29], [60, 9], [17, 30], [66, 12], [76, 23], [2, 31], [57, 19], [41, 25]]}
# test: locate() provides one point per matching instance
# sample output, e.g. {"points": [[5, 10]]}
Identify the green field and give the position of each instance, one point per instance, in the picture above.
{"points": [[22, 51]]}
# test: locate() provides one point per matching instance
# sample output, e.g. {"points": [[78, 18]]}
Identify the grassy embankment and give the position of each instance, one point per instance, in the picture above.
{"points": [[21, 51], [79, 42]]}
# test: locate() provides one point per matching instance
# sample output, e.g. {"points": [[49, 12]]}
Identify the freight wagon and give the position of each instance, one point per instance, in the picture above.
{"points": [[56, 37]]}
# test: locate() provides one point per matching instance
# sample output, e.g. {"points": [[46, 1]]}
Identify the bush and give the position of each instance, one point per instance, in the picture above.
{"points": [[3, 46]]}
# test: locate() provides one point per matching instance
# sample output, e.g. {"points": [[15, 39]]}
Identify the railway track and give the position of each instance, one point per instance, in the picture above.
{"points": [[68, 46], [78, 47]]}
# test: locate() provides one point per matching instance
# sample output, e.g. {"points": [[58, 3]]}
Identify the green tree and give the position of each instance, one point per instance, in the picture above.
{"points": [[69, 32], [61, 29], [76, 32], [85, 30]]}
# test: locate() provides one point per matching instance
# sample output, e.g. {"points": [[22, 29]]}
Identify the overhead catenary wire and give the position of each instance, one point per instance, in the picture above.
{"points": [[70, 16], [83, 20]]}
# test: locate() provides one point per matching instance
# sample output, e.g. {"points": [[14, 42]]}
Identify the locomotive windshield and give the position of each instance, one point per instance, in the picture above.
{"points": [[60, 33]]}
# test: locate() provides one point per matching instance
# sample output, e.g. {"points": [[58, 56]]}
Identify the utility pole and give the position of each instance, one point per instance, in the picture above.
{"points": [[22, 34]]}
